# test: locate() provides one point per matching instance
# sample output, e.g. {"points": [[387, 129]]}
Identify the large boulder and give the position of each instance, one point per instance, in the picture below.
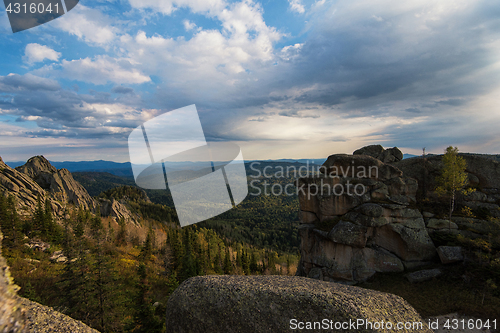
{"points": [[44, 319], [409, 244], [255, 304], [343, 259]]}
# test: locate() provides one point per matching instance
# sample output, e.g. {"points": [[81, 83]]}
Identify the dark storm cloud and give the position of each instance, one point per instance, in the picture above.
{"points": [[27, 82], [62, 113]]}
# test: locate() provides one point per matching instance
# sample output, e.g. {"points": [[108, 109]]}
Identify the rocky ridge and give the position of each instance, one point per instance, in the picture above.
{"points": [[39, 179]]}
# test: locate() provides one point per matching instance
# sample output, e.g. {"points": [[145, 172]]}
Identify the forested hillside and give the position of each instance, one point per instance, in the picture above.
{"points": [[115, 276], [262, 219]]}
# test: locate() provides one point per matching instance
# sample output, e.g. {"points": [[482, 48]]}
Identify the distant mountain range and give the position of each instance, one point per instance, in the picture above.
{"points": [[125, 169]]}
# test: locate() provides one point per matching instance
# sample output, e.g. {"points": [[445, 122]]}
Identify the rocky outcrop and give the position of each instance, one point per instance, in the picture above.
{"points": [[116, 209], [356, 220], [377, 151], [59, 184], [19, 185], [39, 179], [255, 304], [484, 175]]}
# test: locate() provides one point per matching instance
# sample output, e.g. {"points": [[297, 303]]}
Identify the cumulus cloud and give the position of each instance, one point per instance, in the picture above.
{"points": [[188, 25], [36, 53], [167, 7], [296, 6], [102, 70], [370, 71], [90, 25], [27, 82]]}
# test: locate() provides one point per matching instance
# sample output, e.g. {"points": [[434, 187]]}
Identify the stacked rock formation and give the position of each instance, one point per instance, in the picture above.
{"points": [[351, 235]]}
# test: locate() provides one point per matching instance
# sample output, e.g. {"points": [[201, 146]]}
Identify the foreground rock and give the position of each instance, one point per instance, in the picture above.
{"points": [[43, 319], [254, 304]]}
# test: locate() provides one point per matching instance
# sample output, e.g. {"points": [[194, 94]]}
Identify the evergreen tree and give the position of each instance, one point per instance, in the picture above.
{"points": [[147, 247], [245, 265], [9, 222], [217, 262], [144, 320], [254, 267], [228, 266], [121, 236], [188, 261]]}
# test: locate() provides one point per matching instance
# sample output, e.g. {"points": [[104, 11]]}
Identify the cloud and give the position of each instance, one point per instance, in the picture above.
{"points": [[167, 7], [36, 53], [212, 63], [296, 6], [102, 70], [27, 82], [358, 73], [122, 90], [188, 25], [89, 25], [298, 114]]}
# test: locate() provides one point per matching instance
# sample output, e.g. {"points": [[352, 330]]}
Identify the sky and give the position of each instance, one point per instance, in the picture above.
{"points": [[282, 79]]}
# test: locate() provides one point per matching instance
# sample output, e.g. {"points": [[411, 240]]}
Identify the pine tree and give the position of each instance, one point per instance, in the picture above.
{"points": [[217, 262], [188, 268], [245, 265], [147, 247], [145, 320], [254, 267], [228, 266], [9, 222], [121, 236]]}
